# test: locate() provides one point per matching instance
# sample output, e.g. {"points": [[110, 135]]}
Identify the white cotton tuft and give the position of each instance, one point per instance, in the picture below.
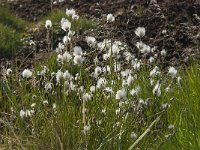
{"points": [[172, 72], [70, 12], [48, 24], [77, 51], [65, 24], [26, 73], [140, 32], [157, 89], [121, 94], [110, 18], [78, 60]]}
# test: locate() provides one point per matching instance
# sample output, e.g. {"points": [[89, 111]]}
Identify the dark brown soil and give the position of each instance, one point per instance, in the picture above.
{"points": [[179, 18]]}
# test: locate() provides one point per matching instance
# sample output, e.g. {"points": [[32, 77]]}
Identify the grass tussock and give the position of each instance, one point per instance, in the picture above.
{"points": [[11, 33], [114, 100], [58, 114], [184, 111], [79, 26], [7, 18], [10, 41]]}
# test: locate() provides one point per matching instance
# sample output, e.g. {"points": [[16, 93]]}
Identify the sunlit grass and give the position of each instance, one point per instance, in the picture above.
{"points": [[7, 18], [69, 115], [184, 111], [63, 127], [11, 33], [10, 41]]}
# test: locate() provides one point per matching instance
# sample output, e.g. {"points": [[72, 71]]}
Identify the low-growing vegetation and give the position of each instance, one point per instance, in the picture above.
{"points": [[7, 18], [107, 96], [81, 24], [13, 30], [11, 33], [10, 41]]}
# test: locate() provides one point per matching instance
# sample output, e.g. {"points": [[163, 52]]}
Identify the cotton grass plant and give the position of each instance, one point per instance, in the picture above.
{"points": [[118, 102]]}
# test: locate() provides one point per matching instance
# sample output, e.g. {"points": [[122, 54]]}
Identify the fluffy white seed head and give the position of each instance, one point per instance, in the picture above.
{"points": [[110, 18], [45, 102], [33, 105], [70, 12], [60, 48], [125, 73], [146, 49], [77, 51], [140, 32], [178, 79], [121, 94], [139, 45], [22, 113], [65, 24], [154, 72], [71, 33], [59, 58], [172, 72], [92, 89], [167, 89], [133, 136], [66, 39], [143, 48], [86, 96], [137, 66], [129, 80], [26, 73], [164, 31], [78, 60], [48, 24], [108, 90], [153, 49], [134, 92], [67, 56], [101, 46], [75, 17], [67, 75], [59, 76], [163, 53], [86, 129], [8, 72], [101, 82], [97, 71], [26, 113], [151, 60], [157, 89], [106, 56], [91, 41], [171, 127], [48, 86], [114, 50], [43, 71]]}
